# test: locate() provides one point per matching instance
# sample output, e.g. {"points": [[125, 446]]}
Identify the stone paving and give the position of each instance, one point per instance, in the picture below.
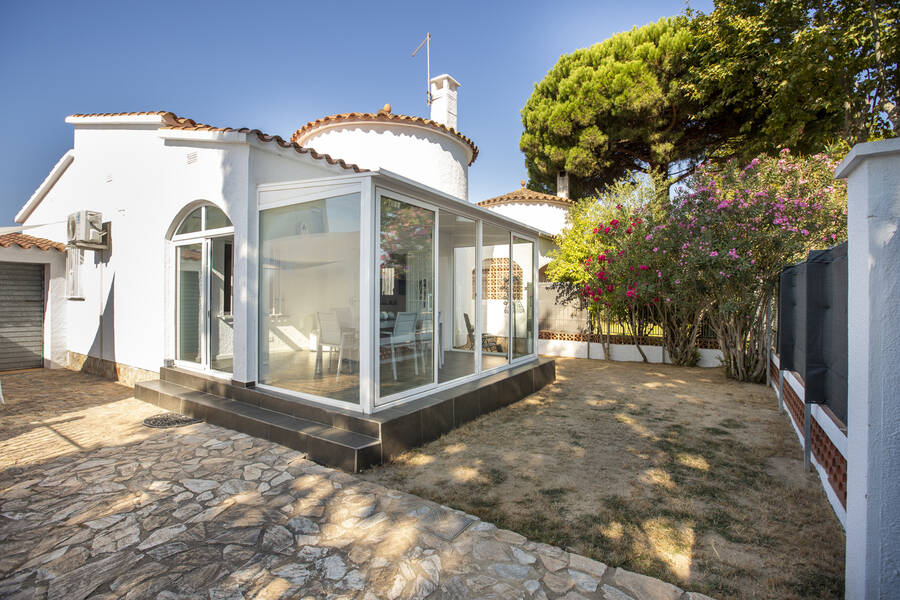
{"points": [[204, 512]]}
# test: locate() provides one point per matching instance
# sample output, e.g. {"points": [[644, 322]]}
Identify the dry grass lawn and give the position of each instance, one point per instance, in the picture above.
{"points": [[672, 472]]}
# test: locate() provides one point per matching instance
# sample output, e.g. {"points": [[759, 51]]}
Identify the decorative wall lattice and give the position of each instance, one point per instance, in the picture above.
{"points": [[495, 279], [647, 340]]}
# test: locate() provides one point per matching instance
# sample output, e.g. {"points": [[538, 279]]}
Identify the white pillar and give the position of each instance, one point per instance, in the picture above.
{"points": [[873, 462]]}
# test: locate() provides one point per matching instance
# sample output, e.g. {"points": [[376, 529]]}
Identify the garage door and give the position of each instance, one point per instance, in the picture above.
{"points": [[21, 316]]}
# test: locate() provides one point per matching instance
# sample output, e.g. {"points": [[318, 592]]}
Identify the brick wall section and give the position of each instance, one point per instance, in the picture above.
{"points": [[545, 334], [773, 372], [834, 462], [831, 459]]}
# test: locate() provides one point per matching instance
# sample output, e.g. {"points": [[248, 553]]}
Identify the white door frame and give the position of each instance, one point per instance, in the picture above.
{"points": [[204, 238]]}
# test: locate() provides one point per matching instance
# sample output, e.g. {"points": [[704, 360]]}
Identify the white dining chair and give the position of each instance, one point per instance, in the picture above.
{"points": [[404, 335], [332, 335]]}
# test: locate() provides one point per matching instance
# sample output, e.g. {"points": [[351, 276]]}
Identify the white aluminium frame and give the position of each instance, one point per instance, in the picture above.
{"points": [[310, 191], [371, 187], [417, 392], [204, 238]]}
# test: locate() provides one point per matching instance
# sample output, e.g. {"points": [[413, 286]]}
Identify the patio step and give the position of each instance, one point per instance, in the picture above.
{"points": [[328, 445], [272, 400]]}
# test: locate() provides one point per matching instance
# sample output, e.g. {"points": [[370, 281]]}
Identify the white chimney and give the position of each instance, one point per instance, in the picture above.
{"points": [[443, 100], [562, 184]]}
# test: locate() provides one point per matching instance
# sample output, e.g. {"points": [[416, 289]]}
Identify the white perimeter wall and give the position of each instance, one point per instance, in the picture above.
{"points": [[420, 153], [619, 352]]}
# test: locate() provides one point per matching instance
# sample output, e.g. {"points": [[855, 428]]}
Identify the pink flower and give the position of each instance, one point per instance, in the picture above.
{"points": [[713, 253]]}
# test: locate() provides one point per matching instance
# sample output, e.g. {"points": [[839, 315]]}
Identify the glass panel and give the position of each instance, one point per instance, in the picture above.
{"points": [[215, 218], [309, 297], [221, 321], [494, 296], [406, 297], [189, 284], [191, 224], [523, 297], [456, 286]]}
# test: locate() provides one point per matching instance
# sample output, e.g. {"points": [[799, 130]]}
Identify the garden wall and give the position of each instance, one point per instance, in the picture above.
{"points": [[828, 435], [575, 345]]}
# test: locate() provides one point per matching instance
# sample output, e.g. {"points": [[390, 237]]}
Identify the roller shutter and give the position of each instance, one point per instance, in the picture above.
{"points": [[21, 316]]}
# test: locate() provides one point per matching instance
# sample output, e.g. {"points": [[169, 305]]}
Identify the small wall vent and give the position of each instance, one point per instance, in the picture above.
{"points": [[191, 157]]}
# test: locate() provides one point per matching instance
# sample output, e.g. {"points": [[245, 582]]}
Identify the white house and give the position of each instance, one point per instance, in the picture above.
{"points": [[236, 260]]}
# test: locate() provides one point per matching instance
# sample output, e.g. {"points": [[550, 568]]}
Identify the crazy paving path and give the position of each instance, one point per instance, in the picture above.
{"points": [[202, 512]]}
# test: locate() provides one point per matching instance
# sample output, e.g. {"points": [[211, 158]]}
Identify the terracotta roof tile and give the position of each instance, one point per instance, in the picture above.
{"points": [[526, 196], [173, 121], [27, 241], [383, 116], [122, 114]]}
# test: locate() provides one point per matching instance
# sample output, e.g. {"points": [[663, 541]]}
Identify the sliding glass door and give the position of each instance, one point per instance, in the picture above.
{"points": [[405, 352]]}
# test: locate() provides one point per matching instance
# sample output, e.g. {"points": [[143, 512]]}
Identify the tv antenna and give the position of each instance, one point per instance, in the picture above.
{"points": [[427, 43]]}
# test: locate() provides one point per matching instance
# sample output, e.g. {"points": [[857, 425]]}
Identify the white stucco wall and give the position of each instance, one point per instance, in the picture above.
{"points": [[546, 217], [873, 419], [142, 183], [54, 303], [421, 153], [619, 352]]}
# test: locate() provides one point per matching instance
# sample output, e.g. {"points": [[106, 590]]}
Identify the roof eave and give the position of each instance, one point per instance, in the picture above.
{"points": [[55, 173]]}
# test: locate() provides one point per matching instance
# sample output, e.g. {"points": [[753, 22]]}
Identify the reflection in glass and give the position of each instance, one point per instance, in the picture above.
{"points": [[495, 296], [192, 223], [221, 320], [456, 288], [189, 262], [309, 297], [406, 297], [523, 297], [215, 218]]}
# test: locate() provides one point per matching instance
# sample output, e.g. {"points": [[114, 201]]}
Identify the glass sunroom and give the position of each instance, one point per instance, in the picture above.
{"points": [[374, 291]]}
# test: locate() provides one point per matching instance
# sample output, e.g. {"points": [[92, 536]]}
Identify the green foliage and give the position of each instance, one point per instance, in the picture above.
{"points": [[715, 252], [739, 226], [616, 107], [750, 77], [797, 73]]}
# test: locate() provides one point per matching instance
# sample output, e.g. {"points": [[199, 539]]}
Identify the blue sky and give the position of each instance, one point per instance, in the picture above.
{"points": [[275, 65]]}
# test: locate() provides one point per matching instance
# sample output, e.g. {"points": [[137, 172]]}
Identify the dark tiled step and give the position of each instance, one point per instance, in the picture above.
{"points": [[295, 407], [327, 445]]}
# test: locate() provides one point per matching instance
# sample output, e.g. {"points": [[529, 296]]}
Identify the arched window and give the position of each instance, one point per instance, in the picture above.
{"points": [[204, 218]]}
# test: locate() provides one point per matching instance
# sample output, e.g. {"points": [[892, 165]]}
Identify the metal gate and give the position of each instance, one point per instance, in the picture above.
{"points": [[21, 316]]}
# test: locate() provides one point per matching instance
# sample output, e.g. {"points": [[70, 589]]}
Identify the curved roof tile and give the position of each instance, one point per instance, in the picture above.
{"points": [[384, 116], [27, 241], [526, 196]]}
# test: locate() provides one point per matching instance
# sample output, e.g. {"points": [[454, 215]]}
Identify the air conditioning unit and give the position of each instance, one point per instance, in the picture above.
{"points": [[85, 230]]}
